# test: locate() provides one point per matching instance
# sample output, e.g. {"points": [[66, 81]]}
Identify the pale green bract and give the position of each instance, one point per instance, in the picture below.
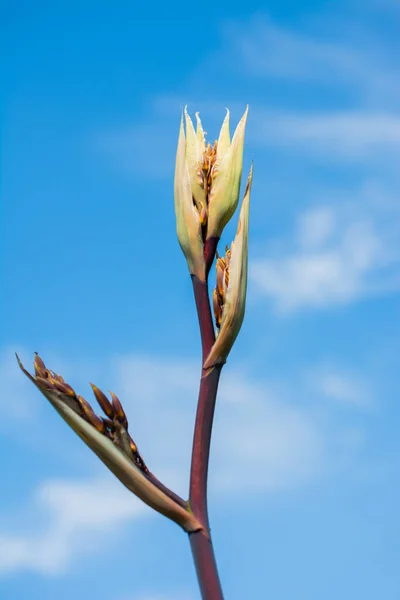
{"points": [[235, 301]]}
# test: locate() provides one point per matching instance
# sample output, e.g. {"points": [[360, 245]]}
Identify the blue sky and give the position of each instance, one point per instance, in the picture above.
{"points": [[304, 487]]}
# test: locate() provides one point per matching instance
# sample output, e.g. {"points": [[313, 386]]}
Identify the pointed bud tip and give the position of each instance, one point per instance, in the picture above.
{"points": [[63, 388], [119, 412], [224, 139], [225, 188], [103, 401], [39, 366]]}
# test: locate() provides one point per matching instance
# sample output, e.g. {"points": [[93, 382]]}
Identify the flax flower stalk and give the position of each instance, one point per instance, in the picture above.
{"points": [[206, 195], [207, 184], [229, 313]]}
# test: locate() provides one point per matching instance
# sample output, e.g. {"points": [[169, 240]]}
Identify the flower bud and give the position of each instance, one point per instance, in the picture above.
{"points": [[103, 401], [113, 445], [225, 177], [207, 185], [229, 296], [195, 147], [188, 225]]}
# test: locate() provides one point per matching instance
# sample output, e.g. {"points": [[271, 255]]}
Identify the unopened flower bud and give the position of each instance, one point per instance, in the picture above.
{"points": [[207, 185], [225, 177], [111, 442], [195, 147], [119, 412], [103, 401], [230, 293], [39, 366], [188, 225]]}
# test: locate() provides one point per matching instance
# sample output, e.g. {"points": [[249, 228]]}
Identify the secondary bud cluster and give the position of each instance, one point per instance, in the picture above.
{"points": [[219, 293], [114, 426], [229, 295], [207, 184], [107, 436]]}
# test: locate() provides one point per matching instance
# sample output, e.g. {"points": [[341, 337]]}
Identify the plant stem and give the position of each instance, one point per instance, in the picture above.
{"points": [[206, 567], [201, 443], [201, 543], [200, 289], [151, 477]]}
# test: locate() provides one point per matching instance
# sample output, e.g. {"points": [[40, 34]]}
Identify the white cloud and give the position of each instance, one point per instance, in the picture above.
{"points": [[348, 55], [362, 119], [344, 135], [350, 111], [16, 398], [263, 443], [80, 516], [335, 136], [316, 226], [341, 386], [337, 254], [255, 431]]}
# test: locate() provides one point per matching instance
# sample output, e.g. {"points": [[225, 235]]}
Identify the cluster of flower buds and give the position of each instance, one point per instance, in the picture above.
{"points": [[109, 439], [207, 186], [219, 293], [229, 295]]}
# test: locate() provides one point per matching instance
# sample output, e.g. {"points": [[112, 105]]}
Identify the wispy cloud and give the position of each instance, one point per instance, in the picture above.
{"points": [[278, 439], [344, 135], [14, 399], [336, 255], [347, 55], [342, 100], [341, 386], [264, 443], [80, 516]]}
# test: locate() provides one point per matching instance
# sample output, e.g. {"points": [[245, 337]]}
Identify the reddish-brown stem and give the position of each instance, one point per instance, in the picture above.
{"points": [[202, 300], [201, 544], [206, 567], [201, 443], [151, 477], [210, 248]]}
